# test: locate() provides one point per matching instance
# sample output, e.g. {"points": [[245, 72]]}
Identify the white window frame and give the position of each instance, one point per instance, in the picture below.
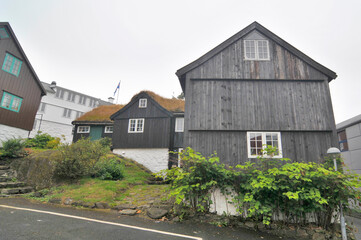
{"points": [[256, 49], [142, 103], [137, 120], [264, 134], [108, 129], [179, 125], [67, 113], [85, 129]]}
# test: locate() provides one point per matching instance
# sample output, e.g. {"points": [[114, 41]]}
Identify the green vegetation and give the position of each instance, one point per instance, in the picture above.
{"points": [[109, 169], [13, 148], [266, 187], [43, 141]]}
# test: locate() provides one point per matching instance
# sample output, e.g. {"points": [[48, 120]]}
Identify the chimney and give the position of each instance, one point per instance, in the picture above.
{"points": [[111, 100], [53, 84]]}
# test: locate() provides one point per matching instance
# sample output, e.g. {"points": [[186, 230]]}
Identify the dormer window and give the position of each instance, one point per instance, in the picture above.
{"points": [[142, 103], [256, 50]]}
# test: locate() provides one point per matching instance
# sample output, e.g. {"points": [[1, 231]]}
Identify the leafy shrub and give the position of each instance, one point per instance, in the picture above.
{"points": [[110, 169], [267, 189], [13, 148], [79, 159], [106, 142], [42, 141]]}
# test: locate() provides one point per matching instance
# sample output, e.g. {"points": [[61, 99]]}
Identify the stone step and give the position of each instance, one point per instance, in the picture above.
{"points": [[5, 179], [21, 190], [7, 173], [11, 184], [4, 167]]}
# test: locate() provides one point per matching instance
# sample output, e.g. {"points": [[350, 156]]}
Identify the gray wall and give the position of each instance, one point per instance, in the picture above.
{"points": [[227, 96], [352, 157]]}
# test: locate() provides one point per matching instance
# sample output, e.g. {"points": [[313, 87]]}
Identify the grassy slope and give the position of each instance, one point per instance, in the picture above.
{"points": [[132, 189]]}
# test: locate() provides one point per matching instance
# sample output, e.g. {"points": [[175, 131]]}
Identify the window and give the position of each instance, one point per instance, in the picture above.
{"points": [[11, 102], [342, 140], [142, 103], [67, 113], [78, 114], [82, 100], [3, 33], [71, 96], [12, 65], [91, 102], [179, 124], [35, 123], [83, 129], [257, 141], [59, 93], [42, 107], [256, 50], [108, 129], [136, 125]]}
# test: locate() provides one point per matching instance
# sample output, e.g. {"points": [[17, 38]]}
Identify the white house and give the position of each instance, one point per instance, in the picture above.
{"points": [[59, 108]]}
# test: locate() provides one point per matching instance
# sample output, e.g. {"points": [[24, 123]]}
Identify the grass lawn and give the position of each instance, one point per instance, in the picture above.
{"points": [[132, 189]]}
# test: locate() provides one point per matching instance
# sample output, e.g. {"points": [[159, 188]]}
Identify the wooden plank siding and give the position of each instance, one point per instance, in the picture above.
{"points": [[226, 96], [78, 136], [24, 86]]}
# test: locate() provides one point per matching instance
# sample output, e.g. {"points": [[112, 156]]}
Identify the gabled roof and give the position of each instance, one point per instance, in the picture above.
{"points": [[254, 26], [168, 105], [100, 114], [11, 32]]}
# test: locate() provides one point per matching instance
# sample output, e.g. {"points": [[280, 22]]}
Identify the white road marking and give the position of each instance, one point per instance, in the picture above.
{"points": [[104, 222]]}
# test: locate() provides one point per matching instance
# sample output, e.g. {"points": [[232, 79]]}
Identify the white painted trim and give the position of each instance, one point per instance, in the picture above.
{"points": [[88, 131], [264, 143], [177, 125], [136, 123], [142, 103], [106, 129], [103, 222], [256, 50]]}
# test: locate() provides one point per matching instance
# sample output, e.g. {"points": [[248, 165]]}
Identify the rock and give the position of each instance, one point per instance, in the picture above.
{"points": [[75, 204], [261, 226], [250, 224], [301, 233], [124, 206], [144, 207], [38, 194], [176, 219], [55, 201], [102, 205], [88, 205], [129, 212], [156, 213], [68, 201], [318, 236]]}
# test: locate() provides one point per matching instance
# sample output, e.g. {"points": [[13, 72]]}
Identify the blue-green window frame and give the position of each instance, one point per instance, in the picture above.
{"points": [[11, 101], [7, 35], [12, 64]]}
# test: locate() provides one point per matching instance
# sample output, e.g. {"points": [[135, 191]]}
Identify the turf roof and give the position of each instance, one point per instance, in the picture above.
{"points": [[171, 104], [100, 114]]}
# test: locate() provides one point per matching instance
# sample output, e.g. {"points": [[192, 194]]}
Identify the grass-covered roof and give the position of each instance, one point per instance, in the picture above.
{"points": [[100, 114]]}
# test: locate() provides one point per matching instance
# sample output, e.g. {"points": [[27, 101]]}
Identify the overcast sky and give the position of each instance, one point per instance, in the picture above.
{"points": [[89, 45]]}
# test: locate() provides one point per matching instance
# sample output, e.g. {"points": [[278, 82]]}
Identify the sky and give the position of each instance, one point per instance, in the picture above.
{"points": [[90, 45]]}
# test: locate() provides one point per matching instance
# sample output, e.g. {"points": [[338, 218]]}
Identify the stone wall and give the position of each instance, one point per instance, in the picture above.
{"points": [[7, 132], [155, 159], [54, 129]]}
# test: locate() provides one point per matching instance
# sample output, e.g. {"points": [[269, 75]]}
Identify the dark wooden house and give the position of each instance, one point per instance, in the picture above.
{"points": [[96, 123], [20, 88], [255, 89], [147, 128]]}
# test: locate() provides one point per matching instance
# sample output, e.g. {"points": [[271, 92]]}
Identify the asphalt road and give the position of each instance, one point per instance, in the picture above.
{"points": [[22, 219]]}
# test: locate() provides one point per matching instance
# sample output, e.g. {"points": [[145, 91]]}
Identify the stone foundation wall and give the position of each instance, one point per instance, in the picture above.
{"points": [[7, 132], [155, 159]]}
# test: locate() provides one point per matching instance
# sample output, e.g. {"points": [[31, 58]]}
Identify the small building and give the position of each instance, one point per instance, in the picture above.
{"points": [[147, 128], [20, 88], [96, 123], [59, 108], [349, 137], [255, 89]]}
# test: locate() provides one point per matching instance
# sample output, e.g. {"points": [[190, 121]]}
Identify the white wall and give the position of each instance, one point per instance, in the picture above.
{"points": [[155, 159], [7, 132], [352, 157], [62, 131]]}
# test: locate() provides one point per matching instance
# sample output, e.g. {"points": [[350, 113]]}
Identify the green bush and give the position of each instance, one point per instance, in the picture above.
{"points": [[267, 188], [110, 169], [13, 148], [44, 141], [106, 142], [79, 159]]}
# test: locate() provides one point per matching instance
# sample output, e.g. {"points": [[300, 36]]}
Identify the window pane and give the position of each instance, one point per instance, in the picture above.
{"points": [[6, 100], [3, 33], [140, 125], [16, 104]]}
